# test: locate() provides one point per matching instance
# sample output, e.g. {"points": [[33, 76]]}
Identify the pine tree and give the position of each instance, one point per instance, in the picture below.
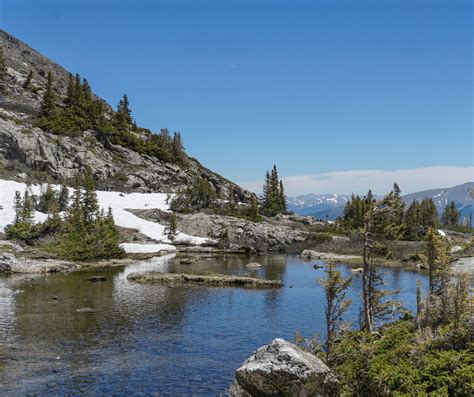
{"points": [[273, 199], [172, 227], [3, 71], [47, 196], [27, 82], [454, 214], [335, 287], [123, 117], [17, 206], [253, 212], [266, 191], [177, 150], [373, 306], [283, 203], [90, 204], [48, 106], [450, 216], [63, 197], [71, 91]]}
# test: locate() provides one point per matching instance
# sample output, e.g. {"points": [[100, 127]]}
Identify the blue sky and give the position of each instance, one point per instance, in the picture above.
{"points": [[315, 87]]}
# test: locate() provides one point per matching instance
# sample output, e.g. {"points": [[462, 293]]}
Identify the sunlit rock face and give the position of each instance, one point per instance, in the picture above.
{"points": [[282, 369]]}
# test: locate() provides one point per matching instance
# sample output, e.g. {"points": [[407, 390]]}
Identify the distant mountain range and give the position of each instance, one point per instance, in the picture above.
{"points": [[331, 206], [316, 204], [462, 195]]}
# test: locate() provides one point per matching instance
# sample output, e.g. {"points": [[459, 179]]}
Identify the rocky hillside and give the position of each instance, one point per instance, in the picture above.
{"points": [[26, 149]]}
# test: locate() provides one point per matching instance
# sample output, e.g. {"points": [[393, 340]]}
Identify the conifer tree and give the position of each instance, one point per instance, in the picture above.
{"points": [[123, 117], [48, 106], [47, 196], [177, 148], [283, 203], [71, 91], [450, 216], [3, 70], [17, 205], [172, 227], [253, 212], [27, 82], [373, 306], [90, 204], [335, 287], [63, 197], [273, 199]]}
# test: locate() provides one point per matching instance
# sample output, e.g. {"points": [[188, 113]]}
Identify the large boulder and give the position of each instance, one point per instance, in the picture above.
{"points": [[283, 369], [7, 262]]}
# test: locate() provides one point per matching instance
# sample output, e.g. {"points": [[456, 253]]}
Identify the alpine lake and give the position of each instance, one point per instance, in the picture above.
{"points": [[61, 334]]}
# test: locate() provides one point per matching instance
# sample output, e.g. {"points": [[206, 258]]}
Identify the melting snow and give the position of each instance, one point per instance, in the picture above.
{"points": [[119, 202]]}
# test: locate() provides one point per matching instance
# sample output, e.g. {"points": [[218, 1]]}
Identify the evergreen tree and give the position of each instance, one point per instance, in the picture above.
{"points": [[63, 197], [3, 71], [451, 215], [273, 199], [17, 205], [48, 106], [373, 304], [123, 117], [172, 227], [71, 91], [90, 204], [23, 227], [253, 211], [48, 195], [27, 82], [266, 191], [284, 205], [335, 287], [177, 148]]}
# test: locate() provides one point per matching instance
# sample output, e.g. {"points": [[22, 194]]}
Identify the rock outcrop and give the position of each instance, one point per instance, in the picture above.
{"points": [[9, 263], [282, 369], [235, 232], [324, 256]]}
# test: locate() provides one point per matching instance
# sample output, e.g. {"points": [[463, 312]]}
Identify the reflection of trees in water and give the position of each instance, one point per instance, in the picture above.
{"points": [[274, 268], [7, 314]]}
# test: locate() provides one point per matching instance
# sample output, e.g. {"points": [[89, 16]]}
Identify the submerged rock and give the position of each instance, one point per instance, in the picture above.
{"points": [[283, 369], [97, 279], [253, 265]]}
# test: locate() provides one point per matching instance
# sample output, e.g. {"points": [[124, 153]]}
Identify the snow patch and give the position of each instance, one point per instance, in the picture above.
{"points": [[146, 248], [119, 202]]}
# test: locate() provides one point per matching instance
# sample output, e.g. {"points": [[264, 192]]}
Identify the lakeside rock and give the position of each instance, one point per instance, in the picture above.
{"points": [[9, 263], [324, 256], [253, 265], [282, 369], [220, 280]]}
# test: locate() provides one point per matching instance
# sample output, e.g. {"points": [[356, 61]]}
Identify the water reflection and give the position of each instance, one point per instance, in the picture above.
{"points": [[66, 335]]}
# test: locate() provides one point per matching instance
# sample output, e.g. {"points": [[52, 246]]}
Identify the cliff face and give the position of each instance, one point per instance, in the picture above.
{"points": [[38, 153]]}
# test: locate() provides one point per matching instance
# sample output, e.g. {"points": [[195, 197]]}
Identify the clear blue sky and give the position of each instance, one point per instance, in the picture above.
{"points": [[311, 86]]}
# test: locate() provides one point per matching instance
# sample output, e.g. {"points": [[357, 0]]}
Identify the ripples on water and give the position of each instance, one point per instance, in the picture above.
{"points": [[181, 340]]}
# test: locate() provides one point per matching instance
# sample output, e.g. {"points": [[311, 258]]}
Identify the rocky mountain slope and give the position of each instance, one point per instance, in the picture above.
{"points": [[25, 149]]}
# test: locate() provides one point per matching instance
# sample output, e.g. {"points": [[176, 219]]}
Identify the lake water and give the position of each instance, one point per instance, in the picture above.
{"points": [[155, 339]]}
